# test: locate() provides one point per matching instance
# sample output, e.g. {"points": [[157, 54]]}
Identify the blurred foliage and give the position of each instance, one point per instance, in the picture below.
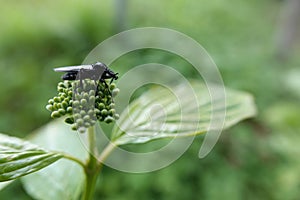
{"points": [[257, 159]]}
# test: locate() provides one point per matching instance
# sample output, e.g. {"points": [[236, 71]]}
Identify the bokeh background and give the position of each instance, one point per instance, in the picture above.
{"points": [[255, 44]]}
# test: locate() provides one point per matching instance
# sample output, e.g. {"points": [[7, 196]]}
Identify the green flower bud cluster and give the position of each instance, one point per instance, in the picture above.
{"points": [[84, 103]]}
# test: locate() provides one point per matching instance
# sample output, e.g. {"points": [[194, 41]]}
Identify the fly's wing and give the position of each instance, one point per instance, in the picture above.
{"points": [[73, 68]]}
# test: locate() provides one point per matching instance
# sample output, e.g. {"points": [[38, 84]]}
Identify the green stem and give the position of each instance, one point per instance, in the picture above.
{"points": [[91, 179], [92, 141], [105, 153], [69, 157], [92, 168]]}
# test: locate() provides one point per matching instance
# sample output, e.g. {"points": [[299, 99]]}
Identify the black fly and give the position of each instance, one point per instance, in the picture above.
{"points": [[97, 71]]}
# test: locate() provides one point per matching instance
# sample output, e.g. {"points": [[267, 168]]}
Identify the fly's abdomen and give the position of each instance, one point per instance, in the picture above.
{"points": [[70, 76]]}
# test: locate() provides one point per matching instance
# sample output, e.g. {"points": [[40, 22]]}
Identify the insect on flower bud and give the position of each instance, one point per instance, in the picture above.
{"points": [[86, 101]]}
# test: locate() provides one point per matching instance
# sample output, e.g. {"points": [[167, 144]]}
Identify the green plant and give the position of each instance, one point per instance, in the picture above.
{"points": [[141, 122]]}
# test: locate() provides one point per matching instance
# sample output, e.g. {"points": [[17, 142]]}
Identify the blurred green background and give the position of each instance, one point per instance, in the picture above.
{"points": [[250, 42]]}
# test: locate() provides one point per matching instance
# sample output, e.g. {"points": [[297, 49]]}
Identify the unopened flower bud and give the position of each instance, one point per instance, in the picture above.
{"points": [[61, 111], [84, 102], [49, 107], [81, 129], [56, 99], [108, 119], [55, 114], [79, 122], [115, 92], [104, 112]]}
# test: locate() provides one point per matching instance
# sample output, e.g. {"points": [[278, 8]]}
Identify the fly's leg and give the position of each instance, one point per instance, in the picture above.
{"points": [[98, 86]]}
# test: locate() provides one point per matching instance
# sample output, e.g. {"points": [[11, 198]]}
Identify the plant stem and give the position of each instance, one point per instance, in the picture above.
{"points": [[70, 157], [92, 141], [105, 153], [92, 168], [91, 179]]}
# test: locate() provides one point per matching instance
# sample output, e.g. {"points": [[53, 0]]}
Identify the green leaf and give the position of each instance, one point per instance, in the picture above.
{"points": [[64, 179], [19, 158], [4, 184], [179, 112]]}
